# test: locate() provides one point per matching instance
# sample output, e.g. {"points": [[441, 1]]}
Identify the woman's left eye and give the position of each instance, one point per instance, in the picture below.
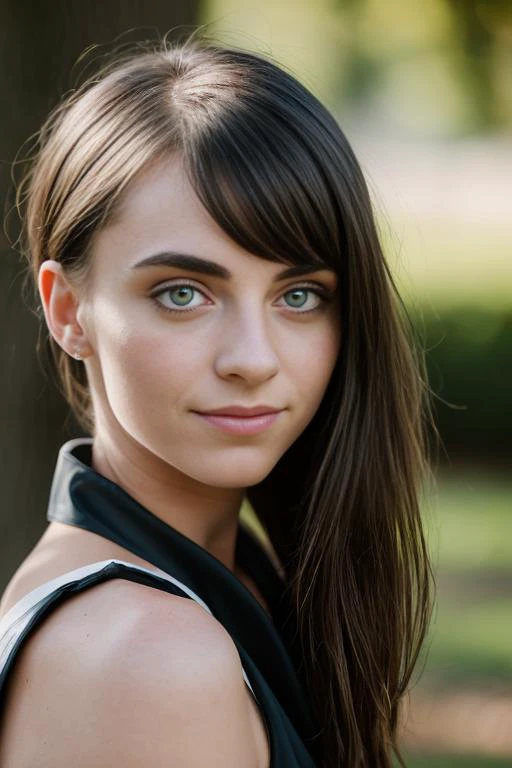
{"points": [[299, 298], [184, 297]]}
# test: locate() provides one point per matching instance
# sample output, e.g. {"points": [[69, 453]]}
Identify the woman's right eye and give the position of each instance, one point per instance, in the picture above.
{"points": [[178, 298]]}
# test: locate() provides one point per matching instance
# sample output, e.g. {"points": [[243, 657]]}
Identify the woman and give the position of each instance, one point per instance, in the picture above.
{"points": [[225, 326]]}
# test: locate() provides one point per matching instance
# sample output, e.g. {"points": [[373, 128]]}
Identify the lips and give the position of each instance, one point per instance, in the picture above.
{"points": [[241, 411], [241, 421]]}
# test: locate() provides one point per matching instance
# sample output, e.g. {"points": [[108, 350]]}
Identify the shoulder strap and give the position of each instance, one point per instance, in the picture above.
{"points": [[24, 615]]}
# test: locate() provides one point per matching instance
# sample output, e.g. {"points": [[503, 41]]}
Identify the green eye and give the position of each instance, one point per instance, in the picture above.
{"points": [[298, 297], [181, 295], [185, 297], [180, 298]]}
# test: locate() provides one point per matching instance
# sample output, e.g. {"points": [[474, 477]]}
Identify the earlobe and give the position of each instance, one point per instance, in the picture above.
{"points": [[60, 305]]}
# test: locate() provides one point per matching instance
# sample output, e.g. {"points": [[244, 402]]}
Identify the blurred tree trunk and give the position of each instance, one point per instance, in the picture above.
{"points": [[472, 56], [39, 43]]}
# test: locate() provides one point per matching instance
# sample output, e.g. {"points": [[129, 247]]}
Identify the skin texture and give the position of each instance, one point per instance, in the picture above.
{"points": [[239, 341], [137, 677]]}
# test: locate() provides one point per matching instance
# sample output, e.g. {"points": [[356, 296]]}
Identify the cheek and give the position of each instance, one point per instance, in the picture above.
{"points": [[144, 365], [313, 362]]}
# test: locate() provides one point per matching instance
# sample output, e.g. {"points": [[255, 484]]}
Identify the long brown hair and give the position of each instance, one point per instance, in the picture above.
{"points": [[341, 508]]}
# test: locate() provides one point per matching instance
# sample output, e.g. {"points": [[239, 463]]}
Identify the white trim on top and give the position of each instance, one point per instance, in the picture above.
{"points": [[40, 593]]}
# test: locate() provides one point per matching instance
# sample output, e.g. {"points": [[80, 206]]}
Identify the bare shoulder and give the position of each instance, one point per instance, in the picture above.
{"points": [[139, 677]]}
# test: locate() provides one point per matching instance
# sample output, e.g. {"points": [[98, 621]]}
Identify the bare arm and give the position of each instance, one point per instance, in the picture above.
{"points": [[163, 688], [183, 703]]}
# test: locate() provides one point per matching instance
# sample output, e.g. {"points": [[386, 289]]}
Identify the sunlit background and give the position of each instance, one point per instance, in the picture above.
{"points": [[423, 90]]}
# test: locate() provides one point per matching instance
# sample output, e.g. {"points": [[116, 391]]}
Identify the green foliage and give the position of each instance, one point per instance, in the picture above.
{"points": [[472, 529], [469, 361], [438, 68], [470, 643]]}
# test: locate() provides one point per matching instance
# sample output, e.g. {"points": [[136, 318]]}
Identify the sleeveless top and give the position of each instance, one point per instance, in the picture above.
{"points": [[267, 646]]}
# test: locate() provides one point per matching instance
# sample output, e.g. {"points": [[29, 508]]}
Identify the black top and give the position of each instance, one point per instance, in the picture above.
{"points": [[268, 650]]}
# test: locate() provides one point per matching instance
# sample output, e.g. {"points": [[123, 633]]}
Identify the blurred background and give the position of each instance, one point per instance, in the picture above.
{"points": [[423, 90]]}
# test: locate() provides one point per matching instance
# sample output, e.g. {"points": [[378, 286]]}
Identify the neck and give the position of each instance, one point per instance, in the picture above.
{"points": [[207, 515]]}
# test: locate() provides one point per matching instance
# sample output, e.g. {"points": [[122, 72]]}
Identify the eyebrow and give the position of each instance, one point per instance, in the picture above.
{"points": [[206, 267]]}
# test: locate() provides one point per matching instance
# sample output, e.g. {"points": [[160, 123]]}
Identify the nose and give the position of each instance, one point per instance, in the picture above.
{"points": [[246, 350]]}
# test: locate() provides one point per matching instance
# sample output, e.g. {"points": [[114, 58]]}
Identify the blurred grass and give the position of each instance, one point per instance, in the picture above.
{"points": [[472, 522], [470, 645], [469, 642]]}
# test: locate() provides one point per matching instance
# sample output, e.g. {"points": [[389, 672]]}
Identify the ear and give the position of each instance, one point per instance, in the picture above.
{"points": [[60, 305]]}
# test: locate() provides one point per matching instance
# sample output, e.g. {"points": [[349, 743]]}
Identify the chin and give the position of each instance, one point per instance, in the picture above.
{"points": [[234, 474]]}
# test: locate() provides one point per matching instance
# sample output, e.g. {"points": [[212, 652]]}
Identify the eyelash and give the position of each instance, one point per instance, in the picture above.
{"points": [[321, 291]]}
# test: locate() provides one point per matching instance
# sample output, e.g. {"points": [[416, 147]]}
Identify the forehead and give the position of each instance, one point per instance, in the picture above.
{"points": [[159, 201], [160, 212]]}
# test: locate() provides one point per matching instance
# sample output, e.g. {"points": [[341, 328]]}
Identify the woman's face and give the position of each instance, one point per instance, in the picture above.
{"points": [[173, 338]]}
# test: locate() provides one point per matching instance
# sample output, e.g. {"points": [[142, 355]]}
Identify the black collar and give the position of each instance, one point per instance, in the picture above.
{"points": [[82, 497]]}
